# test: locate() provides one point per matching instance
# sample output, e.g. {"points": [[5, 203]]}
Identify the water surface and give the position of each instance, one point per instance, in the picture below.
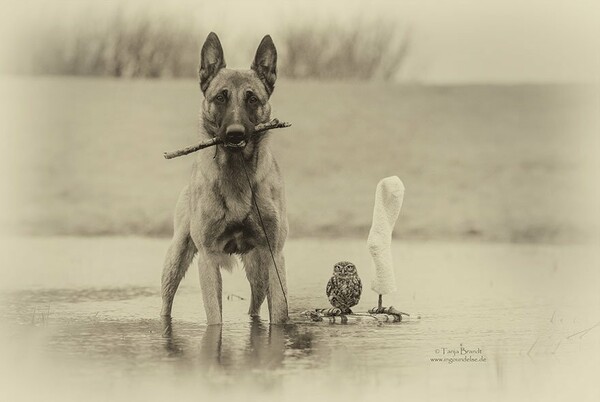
{"points": [[81, 321]]}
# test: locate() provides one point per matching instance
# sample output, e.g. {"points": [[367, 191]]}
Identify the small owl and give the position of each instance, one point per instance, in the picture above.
{"points": [[344, 287]]}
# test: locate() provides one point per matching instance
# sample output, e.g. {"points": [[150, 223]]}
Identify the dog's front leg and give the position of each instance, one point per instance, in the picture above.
{"points": [[277, 295], [211, 285], [263, 279]]}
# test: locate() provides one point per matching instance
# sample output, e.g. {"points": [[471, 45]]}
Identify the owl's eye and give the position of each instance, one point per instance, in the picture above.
{"points": [[252, 99]]}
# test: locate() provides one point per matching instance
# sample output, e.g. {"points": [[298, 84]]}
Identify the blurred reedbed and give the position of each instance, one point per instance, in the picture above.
{"points": [[153, 46]]}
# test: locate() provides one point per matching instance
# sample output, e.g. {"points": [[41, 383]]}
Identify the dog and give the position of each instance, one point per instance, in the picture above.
{"points": [[218, 215]]}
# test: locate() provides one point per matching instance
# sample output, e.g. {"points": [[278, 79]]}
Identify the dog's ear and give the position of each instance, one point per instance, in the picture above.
{"points": [[211, 60], [265, 63]]}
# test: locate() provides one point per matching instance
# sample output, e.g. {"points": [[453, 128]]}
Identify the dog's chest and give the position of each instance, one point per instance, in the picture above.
{"points": [[229, 223]]}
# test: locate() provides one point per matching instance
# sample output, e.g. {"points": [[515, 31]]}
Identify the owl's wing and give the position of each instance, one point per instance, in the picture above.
{"points": [[329, 287], [359, 284]]}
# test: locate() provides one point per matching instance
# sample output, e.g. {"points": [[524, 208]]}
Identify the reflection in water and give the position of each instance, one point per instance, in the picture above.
{"points": [[211, 346], [87, 338], [266, 345], [173, 346], [264, 349]]}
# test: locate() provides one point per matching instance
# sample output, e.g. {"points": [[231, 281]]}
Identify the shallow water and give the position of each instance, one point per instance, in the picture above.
{"points": [[81, 321]]}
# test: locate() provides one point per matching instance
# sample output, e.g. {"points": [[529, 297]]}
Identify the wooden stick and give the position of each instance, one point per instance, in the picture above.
{"points": [[321, 315], [329, 311], [259, 128], [387, 310]]}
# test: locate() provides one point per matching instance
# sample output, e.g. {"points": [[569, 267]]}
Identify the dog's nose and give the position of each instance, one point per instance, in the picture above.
{"points": [[235, 133]]}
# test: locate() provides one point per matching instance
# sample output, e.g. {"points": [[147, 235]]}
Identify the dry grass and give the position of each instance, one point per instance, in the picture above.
{"points": [[161, 46], [373, 50], [143, 46]]}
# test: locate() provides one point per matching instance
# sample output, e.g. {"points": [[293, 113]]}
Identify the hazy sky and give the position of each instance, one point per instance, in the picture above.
{"points": [[453, 40]]}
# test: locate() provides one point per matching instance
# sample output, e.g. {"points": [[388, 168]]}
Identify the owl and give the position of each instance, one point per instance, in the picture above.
{"points": [[344, 287]]}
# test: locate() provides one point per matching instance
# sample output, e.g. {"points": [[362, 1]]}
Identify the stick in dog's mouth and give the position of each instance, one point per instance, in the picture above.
{"points": [[258, 129]]}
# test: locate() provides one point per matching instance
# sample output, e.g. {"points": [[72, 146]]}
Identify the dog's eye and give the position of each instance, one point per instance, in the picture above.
{"points": [[220, 98], [252, 99]]}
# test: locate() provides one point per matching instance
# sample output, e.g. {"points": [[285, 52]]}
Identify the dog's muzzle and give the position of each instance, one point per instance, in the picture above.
{"points": [[235, 136]]}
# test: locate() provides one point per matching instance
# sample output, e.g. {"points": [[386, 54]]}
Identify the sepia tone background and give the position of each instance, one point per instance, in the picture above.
{"points": [[490, 121], [488, 112]]}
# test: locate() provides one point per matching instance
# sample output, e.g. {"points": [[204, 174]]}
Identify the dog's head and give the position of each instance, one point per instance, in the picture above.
{"points": [[236, 100]]}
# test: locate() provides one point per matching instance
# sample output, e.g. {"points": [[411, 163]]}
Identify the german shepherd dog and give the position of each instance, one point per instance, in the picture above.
{"points": [[215, 216]]}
